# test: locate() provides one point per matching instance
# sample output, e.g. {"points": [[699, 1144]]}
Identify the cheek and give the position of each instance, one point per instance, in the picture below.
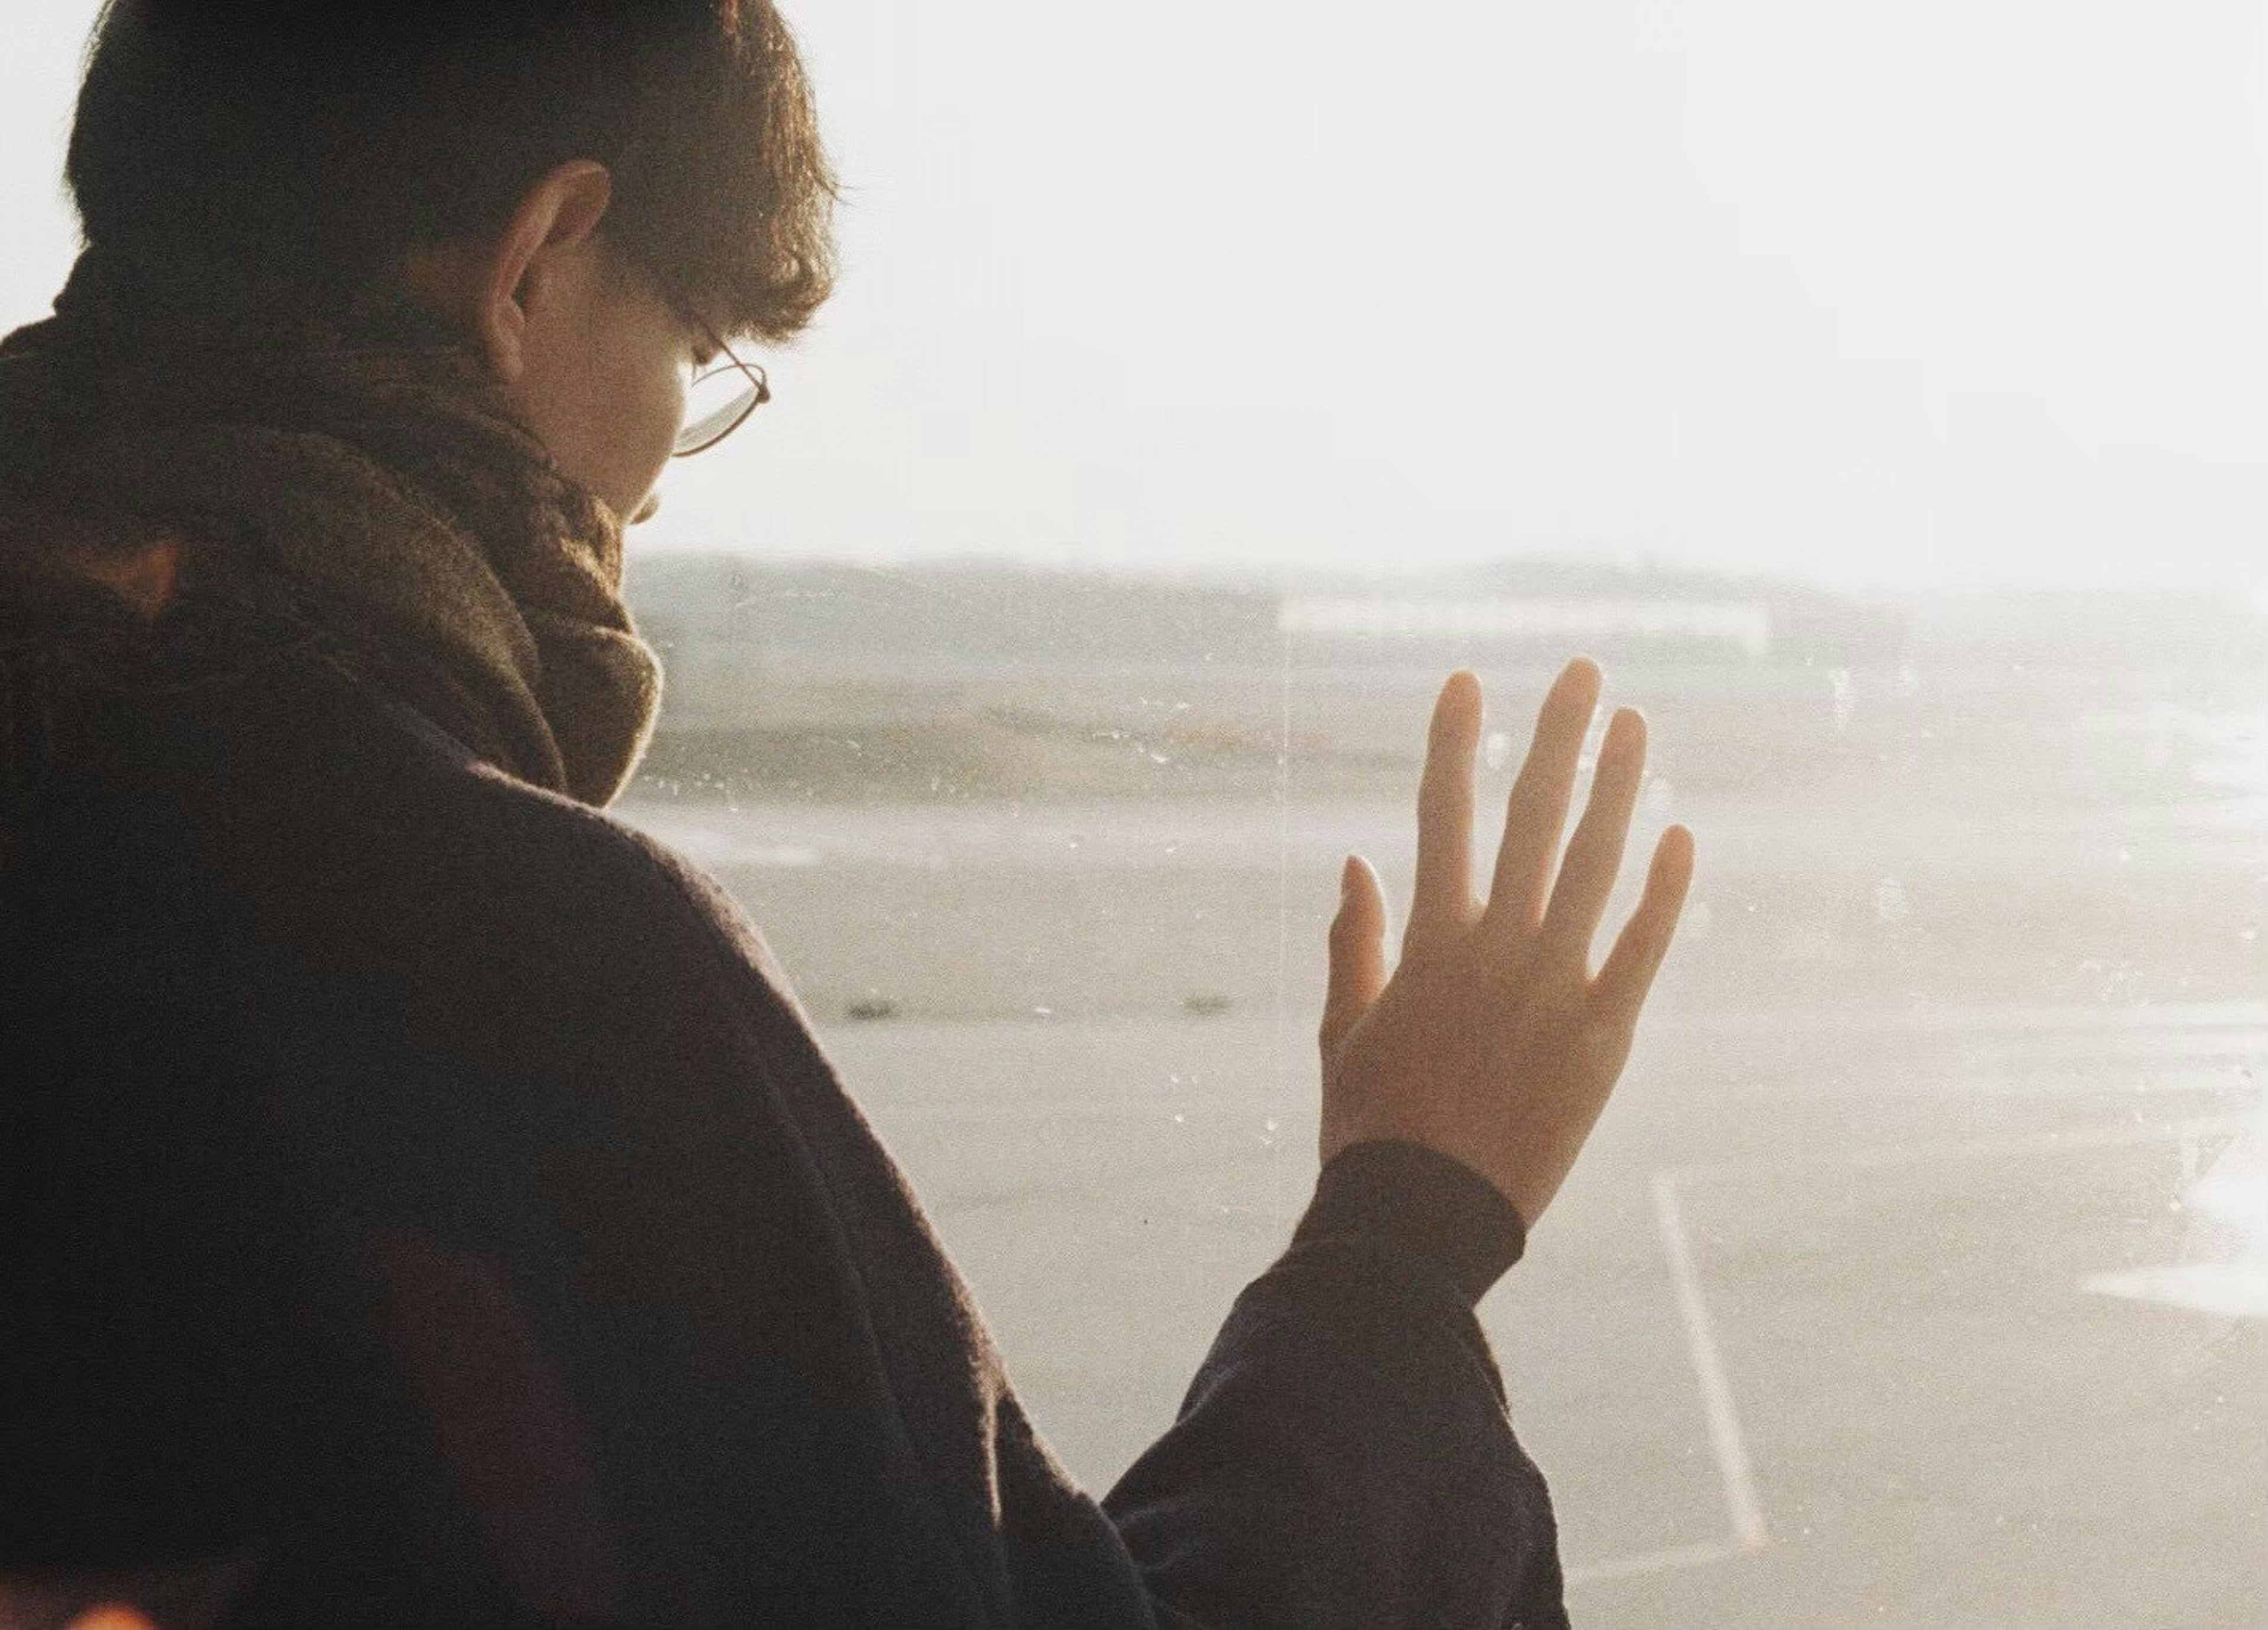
{"points": [[611, 409], [655, 409]]}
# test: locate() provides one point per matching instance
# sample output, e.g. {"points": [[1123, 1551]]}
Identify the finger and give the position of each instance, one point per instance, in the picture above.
{"points": [[1622, 984], [1357, 951], [1595, 854], [1537, 815], [1441, 900]]}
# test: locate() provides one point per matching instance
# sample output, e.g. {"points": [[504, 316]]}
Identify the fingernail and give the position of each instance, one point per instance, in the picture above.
{"points": [[1346, 877]]}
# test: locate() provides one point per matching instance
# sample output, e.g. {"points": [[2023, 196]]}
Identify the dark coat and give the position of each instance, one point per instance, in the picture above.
{"points": [[426, 1187]]}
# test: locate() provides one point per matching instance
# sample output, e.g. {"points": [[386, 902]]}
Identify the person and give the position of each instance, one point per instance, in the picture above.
{"points": [[425, 1202]]}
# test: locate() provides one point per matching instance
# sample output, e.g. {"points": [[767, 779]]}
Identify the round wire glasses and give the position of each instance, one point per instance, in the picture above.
{"points": [[720, 398]]}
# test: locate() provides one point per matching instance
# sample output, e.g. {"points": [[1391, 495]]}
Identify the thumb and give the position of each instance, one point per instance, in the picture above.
{"points": [[1357, 951]]}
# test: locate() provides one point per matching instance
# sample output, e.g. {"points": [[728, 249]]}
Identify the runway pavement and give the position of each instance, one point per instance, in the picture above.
{"points": [[1883, 1324], [1916, 1275]]}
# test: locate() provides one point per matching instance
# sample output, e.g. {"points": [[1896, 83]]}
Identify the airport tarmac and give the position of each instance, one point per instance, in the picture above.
{"points": [[1814, 1335], [1917, 1274]]}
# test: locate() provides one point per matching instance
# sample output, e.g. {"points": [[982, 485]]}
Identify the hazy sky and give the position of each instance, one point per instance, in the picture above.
{"points": [[1911, 292]]}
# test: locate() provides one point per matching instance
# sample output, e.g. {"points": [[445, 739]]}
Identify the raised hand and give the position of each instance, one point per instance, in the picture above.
{"points": [[1493, 1042]]}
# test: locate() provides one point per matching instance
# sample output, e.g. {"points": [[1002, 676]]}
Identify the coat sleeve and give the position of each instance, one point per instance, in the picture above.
{"points": [[1344, 1456], [779, 1381]]}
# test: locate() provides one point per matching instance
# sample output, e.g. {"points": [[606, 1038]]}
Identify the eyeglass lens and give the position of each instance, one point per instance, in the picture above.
{"points": [[715, 402]]}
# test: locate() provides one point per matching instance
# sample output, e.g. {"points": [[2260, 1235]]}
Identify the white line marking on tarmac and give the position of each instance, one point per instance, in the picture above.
{"points": [[1733, 1463], [1734, 1467], [1652, 1562], [2237, 1290], [2233, 1196]]}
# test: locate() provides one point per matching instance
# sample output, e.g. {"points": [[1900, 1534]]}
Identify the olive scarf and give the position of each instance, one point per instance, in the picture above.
{"points": [[367, 463]]}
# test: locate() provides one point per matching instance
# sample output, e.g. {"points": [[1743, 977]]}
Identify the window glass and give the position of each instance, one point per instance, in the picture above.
{"points": [[1881, 393], [1928, 1221]]}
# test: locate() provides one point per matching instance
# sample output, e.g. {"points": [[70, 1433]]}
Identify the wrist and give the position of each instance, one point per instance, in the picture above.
{"points": [[1425, 1209]]}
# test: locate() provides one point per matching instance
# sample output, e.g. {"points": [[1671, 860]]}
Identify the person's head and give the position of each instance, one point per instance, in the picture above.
{"points": [[593, 191]]}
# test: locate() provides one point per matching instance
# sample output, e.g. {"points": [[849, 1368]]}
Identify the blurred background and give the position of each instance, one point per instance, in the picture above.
{"points": [[1880, 392]]}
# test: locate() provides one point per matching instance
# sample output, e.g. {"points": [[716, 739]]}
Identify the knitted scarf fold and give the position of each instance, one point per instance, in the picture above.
{"points": [[369, 460]]}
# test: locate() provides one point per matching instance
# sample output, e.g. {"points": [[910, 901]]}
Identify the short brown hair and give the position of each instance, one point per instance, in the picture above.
{"points": [[282, 150]]}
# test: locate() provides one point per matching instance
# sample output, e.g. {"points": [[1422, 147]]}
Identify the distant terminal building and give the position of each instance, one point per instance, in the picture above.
{"points": [[732, 628], [1686, 626]]}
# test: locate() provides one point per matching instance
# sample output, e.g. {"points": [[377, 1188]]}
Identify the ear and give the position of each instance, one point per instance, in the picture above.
{"points": [[555, 220]]}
